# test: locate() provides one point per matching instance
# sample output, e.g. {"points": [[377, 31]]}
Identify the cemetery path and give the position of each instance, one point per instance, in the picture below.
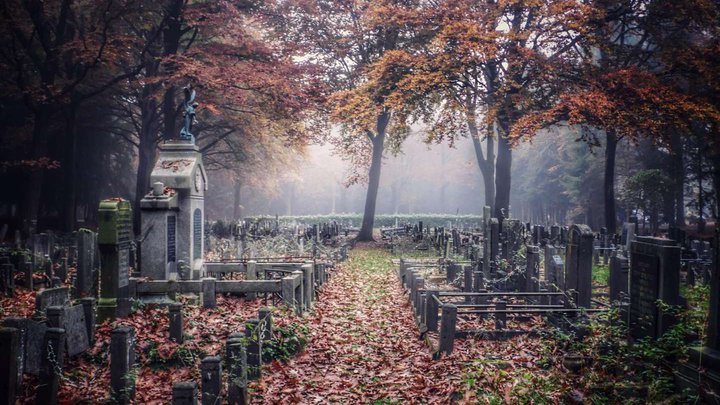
{"points": [[364, 346]]}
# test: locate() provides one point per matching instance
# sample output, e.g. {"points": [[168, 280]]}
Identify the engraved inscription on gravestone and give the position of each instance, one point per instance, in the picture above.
{"points": [[123, 267], [171, 228], [644, 294], [197, 234]]}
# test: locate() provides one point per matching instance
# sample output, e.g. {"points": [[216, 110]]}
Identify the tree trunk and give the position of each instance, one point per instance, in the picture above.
{"points": [[237, 208], [486, 164], [378, 143], [171, 45], [503, 165], [609, 182], [31, 199], [69, 190]]}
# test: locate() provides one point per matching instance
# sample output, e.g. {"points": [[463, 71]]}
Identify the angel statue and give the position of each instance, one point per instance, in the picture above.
{"points": [[188, 115]]}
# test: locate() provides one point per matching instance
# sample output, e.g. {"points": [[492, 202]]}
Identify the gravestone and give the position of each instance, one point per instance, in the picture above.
{"points": [[619, 277], [77, 338], [654, 275], [578, 269], [114, 238], [51, 297], [491, 247], [9, 350], [532, 269], [628, 235], [86, 245], [173, 213]]}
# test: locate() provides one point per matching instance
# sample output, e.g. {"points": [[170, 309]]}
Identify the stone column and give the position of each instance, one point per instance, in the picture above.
{"points": [[447, 328]]}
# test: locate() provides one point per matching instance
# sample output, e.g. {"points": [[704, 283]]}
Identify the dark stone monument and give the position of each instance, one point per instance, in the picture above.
{"points": [[654, 275], [578, 271], [10, 352], [86, 245], [114, 237]]}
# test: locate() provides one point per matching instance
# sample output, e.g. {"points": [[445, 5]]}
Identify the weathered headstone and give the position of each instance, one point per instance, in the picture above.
{"points": [[51, 297], [654, 275], [76, 329], [578, 271], [114, 238], [176, 322], [86, 258], [619, 277]]}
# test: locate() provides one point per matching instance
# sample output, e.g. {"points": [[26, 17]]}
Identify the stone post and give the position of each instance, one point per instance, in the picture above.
{"points": [[176, 322], [208, 293], [55, 316], [500, 317], [467, 282], [51, 364], [254, 349], [184, 393], [251, 274], [431, 310], [532, 269], [89, 309], [236, 364], [211, 380], [308, 285], [27, 270], [447, 328], [265, 316], [9, 350], [122, 360]]}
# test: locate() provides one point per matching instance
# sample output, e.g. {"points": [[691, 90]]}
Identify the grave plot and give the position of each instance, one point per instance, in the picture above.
{"points": [[116, 319]]}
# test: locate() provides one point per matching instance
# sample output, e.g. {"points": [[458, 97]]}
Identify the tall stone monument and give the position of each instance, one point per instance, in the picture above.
{"points": [[578, 271], [173, 212]]}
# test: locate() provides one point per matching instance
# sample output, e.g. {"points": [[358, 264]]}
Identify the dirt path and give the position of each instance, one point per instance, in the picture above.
{"points": [[364, 346]]}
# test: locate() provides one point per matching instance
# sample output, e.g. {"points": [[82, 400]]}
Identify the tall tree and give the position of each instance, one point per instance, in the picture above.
{"points": [[347, 38], [484, 64]]}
